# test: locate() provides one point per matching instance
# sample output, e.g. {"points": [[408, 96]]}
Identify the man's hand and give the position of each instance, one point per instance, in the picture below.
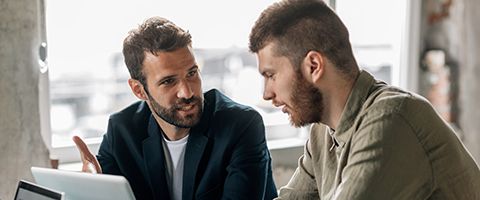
{"points": [[88, 158]]}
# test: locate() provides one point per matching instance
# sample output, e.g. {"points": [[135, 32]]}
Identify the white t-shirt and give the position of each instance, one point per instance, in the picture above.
{"points": [[174, 156]]}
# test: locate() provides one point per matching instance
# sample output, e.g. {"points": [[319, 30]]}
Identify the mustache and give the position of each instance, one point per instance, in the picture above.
{"points": [[183, 101]]}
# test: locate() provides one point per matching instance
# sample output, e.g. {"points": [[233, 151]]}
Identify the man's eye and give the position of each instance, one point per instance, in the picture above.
{"points": [[269, 75], [192, 73], [167, 82]]}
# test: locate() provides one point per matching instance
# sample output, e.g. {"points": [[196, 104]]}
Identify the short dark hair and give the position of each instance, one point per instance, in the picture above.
{"points": [[298, 26], [156, 34]]}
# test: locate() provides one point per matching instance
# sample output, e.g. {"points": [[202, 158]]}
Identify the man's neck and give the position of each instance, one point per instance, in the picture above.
{"points": [[336, 103], [171, 132]]}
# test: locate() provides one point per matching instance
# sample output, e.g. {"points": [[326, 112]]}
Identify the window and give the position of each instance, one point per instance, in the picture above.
{"points": [[376, 30], [88, 79]]}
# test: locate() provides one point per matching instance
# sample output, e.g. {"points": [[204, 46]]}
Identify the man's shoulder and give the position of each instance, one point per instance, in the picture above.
{"points": [[220, 104], [132, 121], [391, 99], [228, 120], [136, 111]]}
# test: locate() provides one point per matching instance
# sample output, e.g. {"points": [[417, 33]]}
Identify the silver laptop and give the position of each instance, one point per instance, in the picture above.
{"points": [[82, 186]]}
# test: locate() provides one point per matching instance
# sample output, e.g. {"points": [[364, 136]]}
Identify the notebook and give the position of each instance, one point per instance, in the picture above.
{"points": [[81, 186]]}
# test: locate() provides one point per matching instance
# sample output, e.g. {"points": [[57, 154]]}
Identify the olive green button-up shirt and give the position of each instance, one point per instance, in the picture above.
{"points": [[389, 144]]}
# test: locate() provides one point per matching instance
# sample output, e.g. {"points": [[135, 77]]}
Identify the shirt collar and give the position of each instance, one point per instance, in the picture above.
{"points": [[355, 101]]}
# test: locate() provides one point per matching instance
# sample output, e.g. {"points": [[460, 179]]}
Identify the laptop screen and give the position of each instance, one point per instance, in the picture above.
{"points": [[31, 191]]}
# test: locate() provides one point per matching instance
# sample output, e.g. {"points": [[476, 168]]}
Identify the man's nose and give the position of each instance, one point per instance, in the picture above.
{"points": [[267, 93], [185, 91]]}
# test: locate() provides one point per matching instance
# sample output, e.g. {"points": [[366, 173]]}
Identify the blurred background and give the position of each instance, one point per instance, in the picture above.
{"points": [[62, 71]]}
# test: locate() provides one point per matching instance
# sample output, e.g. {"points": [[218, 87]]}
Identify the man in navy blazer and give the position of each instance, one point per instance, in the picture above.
{"points": [[178, 143]]}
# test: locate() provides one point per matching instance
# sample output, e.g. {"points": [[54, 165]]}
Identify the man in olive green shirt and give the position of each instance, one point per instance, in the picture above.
{"points": [[379, 142]]}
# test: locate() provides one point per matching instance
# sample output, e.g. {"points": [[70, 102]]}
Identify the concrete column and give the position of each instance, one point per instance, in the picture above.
{"points": [[21, 143], [453, 26], [470, 78]]}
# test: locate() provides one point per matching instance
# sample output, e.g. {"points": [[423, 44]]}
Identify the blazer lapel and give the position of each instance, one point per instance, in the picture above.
{"points": [[154, 161], [197, 141], [193, 154]]}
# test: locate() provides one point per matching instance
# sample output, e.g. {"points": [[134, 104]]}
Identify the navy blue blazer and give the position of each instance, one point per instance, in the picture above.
{"points": [[226, 156]]}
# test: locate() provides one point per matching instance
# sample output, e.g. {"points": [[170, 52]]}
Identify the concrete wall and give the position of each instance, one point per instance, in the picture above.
{"points": [[21, 144], [470, 77]]}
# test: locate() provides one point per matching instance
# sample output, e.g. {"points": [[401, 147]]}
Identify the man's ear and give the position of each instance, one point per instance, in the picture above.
{"points": [[313, 66], [137, 89]]}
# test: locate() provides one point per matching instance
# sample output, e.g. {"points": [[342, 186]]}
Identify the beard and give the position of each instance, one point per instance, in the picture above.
{"points": [[171, 115], [307, 103]]}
